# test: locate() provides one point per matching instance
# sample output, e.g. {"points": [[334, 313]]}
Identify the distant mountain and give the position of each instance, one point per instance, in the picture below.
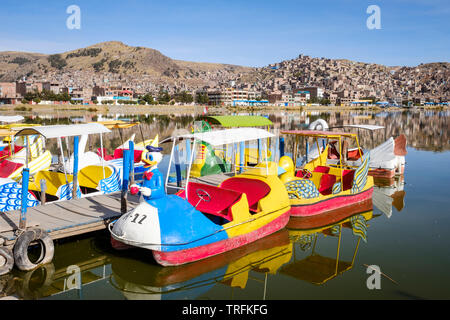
{"points": [[106, 57], [147, 69]]}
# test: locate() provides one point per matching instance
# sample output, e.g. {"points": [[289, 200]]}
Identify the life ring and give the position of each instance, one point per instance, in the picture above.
{"points": [[6, 260], [20, 250], [320, 125]]}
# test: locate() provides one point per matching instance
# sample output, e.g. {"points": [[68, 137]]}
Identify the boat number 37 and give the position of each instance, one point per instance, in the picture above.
{"points": [[138, 218]]}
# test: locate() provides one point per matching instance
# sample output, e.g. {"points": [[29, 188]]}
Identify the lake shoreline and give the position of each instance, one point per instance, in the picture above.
{"points": [[73, 110]]}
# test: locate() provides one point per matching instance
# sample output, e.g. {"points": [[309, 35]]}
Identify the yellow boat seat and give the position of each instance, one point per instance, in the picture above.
{"points": [[53, 181], [90, 176]]}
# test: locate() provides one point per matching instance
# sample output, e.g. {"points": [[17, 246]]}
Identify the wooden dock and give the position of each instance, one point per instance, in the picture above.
{"points": [[66, 218]]}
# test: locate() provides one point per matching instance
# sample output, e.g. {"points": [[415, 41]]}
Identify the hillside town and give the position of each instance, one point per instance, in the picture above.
{"points": [[292, 83]]}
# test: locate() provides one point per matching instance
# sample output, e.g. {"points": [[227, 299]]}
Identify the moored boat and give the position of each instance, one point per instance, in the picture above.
{"points": [[387, 160], [203, 220], [320, 187]]}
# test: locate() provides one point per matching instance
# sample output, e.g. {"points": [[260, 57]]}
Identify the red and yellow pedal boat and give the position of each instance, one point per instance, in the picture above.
{"points": [[205, 218], [319, 187]]}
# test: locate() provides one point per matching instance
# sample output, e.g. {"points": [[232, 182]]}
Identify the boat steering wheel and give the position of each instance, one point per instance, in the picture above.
{"points": [[306, 174], [203, 195]]}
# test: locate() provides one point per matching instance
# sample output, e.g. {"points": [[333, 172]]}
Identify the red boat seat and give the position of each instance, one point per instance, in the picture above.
{"points": [[332, 151], [347, 176], [104, 154], [319, 169], [254, 189], [5, 153], [118, 154], [326, 183], [354, 155], [8, 167], [220, 203], [322, 169]]}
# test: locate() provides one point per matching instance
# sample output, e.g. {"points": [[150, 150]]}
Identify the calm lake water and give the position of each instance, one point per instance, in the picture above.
{"points": [[407, 236]]}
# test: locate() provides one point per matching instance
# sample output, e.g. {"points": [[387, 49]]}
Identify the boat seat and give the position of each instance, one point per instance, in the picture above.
{"points": [[254, 189], [347, 176], [118, 154], [353, 155], [322, 169], [53, 181], [333, 153], [319, 169], [103, 154], [90, 176], [6, 152], [327, 182], [220, 203], [8, 167]]}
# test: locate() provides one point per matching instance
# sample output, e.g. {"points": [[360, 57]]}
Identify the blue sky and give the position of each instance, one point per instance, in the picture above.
{"points": [[251, 33]]}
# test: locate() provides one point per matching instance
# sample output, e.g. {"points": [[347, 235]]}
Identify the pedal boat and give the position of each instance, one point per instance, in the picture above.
{"points": [[203, 220], [91, 179], [14, 156], [320, 187], [387, 160]]}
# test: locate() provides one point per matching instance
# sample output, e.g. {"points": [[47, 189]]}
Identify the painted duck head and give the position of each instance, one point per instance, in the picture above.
{"points": [[153, 156]]}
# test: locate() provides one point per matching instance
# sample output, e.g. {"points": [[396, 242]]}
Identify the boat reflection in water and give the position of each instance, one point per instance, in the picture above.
{"points": [[89, 269], [389, 193], [306, 234], [194, 280], [77, 268]]}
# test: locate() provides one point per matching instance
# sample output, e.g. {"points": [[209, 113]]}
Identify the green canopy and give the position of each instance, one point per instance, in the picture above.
{"points": [[239, 121]]}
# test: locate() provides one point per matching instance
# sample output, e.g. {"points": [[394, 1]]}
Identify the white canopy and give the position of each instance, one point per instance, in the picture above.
{"points": [[11, 119], [363, 126], [223, 137], [64, 130]]}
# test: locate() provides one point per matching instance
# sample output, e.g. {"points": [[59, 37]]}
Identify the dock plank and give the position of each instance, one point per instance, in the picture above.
{"points": [[67, 218]]}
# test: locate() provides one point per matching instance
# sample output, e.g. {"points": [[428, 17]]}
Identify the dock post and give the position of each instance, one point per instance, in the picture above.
{"points": [[241, 156], [281, 147], [76, 142], [43, 184], [125, 180], [23, 212], [131, 144]]}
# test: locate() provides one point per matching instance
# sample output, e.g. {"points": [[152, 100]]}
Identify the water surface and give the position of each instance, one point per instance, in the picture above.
{"points": [[409, 242]]}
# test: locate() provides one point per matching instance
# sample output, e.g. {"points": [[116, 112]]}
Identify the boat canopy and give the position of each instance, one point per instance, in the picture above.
{"points": [[319, 134], [117, 124], [370, 127], [229, 136], [11, 119], [239, 121], [7, 132], [58, 131]]}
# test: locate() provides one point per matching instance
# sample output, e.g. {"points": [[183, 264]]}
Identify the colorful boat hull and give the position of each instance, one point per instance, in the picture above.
{"points": [[180, 257], [243, 209], [329, 217], [331, 204], [326, 188]]}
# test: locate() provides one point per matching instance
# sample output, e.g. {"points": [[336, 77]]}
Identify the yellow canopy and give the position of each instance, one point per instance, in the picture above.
{"points": [[7, 132]]}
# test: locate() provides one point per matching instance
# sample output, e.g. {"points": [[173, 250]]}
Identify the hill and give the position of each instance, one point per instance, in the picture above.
{"points": [[111, 57]]}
